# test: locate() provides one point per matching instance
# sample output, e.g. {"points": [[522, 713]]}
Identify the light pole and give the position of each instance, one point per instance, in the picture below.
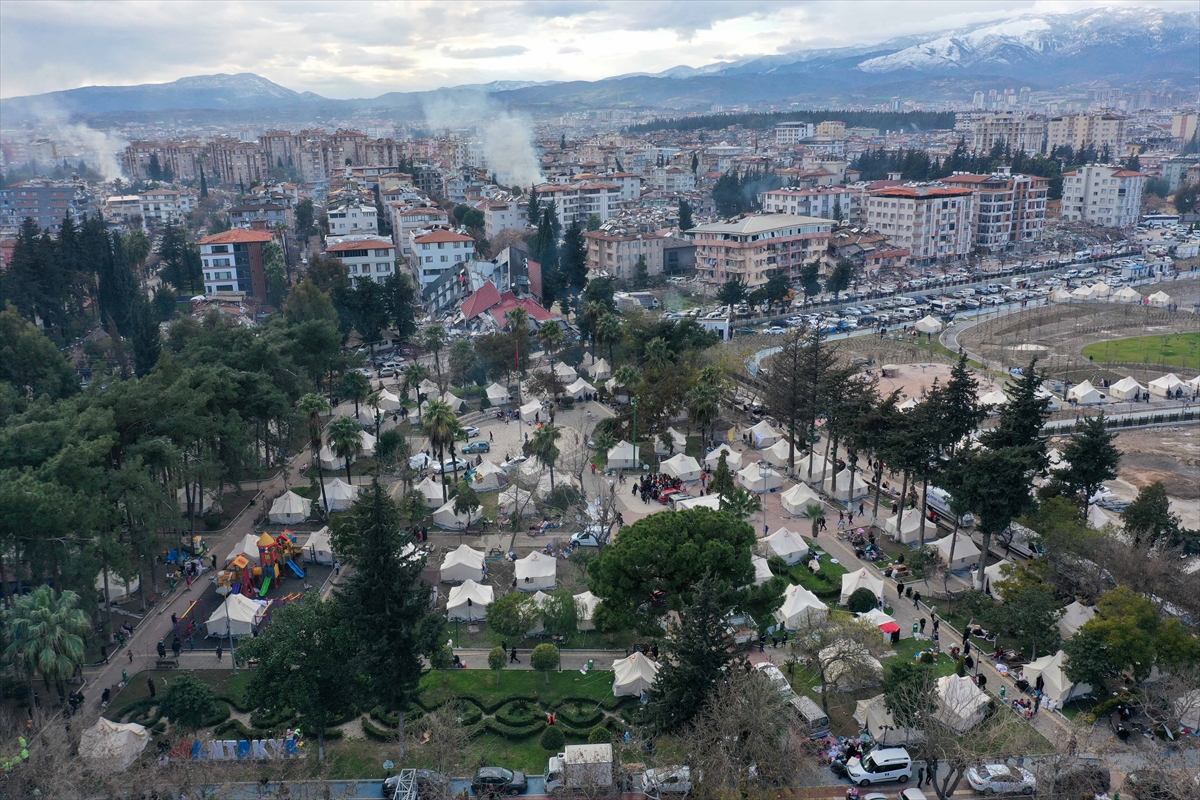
{"points": [[763, 475], [636, 459], [229, 633]]}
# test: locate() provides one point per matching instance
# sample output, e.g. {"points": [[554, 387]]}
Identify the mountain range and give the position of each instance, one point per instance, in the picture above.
{"points": [[1045, 51]]}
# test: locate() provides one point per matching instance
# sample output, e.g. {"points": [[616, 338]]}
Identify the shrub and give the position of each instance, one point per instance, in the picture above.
{"points": [[600, 735], [576, 715], [220, 712], [862, 600], [545, 657], [493, 725], [518, 714], [553, 739], [778, 566], [187, 702], [378, 734]]}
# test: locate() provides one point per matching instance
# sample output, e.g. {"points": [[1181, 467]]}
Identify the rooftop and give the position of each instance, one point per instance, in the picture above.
{"points": [[761, 223], [238, 236]]}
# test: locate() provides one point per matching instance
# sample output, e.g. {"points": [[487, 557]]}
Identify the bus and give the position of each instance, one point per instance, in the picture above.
{"points": [[1160, 220]]}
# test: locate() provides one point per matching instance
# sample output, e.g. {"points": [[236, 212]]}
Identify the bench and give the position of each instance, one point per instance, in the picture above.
{"points": [[167, 663]]}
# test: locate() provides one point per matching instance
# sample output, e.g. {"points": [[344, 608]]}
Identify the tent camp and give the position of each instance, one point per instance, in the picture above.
{"points": [[762, 570], [600, 371], [115, 744], [497, 395], [445, 517], [1159, 299], [1126, 294], [712, 501], [788, 545], [619, 392], [990, 576], [469, 601], [930, 324], [331, 460], [885, 622], [1082, 293], [839, 488], [531, 411], [586, 603], [811, 469], [1126, 389], [515, 500], [875, 719], [799, 606], [623, 456], [733, 459], [910, 526], [1167, 385], [797, 499], [673, 442], [118, 588], [536, 571], [456, 403], [863, 669], [860, 579], [430, 491], [1061, 296], [961, 704], [319, 547], [235, 616], [1101, 290], [388, 403], [965, 551], [1099, 519], [994, 399], [634, 675], [487, 477], [340, 495], [248, 546], [1086, 394], [580, 389], [763, 435], [758, 477], [1074, 617], [1045, 394], [462, 564], [777, 454], [685, 468], [1055, 684], [1193, 384], [290, 508], [565, 372]]}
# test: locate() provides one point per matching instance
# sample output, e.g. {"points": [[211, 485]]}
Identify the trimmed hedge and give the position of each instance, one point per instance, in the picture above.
{"points": [[378, 734], [519, 714], [384, 718], [219, 713], [492, 725], [284, 718], [586, 718], [136, 707], [488, 707], [244, 732], [236, 703]]}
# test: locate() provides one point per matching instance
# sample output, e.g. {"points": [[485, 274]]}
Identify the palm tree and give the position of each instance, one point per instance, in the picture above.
{"points": [[441, 426], [373, 401], [414, 373], [518, 327], [552, 337], [138, 248], [741, 504], [47, 630], [657, 356], [703, 407], [815, 512], [593, 310], [435, 340], [345, 439], [608, 331], [628, 377], [544, 445], [311, 407], [356, 387]]}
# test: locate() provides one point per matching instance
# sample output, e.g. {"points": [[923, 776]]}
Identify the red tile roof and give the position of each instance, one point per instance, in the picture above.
{"points": [[359, 244], [237, 236], [1129, 173], [509, 301], [442, 236], [910, 191], [480, 301]]}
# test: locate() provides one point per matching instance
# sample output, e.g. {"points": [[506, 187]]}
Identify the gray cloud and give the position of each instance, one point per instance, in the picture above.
{"points": [[566, 51], [501, 51]]}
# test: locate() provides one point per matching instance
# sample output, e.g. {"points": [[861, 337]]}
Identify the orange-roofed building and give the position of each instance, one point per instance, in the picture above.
{"points": [[232, 262], [932, 222], [366, 259]]}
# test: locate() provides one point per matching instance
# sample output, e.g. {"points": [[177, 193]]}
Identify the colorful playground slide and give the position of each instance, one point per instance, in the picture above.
{"points": [[299, 572], [266, 586]]}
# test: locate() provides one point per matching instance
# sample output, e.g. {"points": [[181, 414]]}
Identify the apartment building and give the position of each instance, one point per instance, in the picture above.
{"points": [[1183, 126], [1010, 210], [1018, 131], [756, 247], [1103, 194], [350, 219], [47, 202], [630, 183], [831, 128], [165, 205], [235, 163], [406, 219], [616, 253], [931, 221], [673, 179], [575, 202], [232, 261], [826, 202], [792, 133], [504, 213], [1080, 131], [260, 215], [437, 253], [1174, 170], [365, 259]]}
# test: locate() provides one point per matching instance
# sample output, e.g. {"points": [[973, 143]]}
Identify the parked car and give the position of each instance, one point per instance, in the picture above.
{"points": [[470, 431], [427, 779], [451, 464], [498, 780], [516, 461], [477, 447], [775, 330], [592, 536], [670, 781], [1001, 779], [881, 765]]}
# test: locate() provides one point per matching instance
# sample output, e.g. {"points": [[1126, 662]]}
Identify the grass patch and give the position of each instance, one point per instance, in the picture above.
{"points": [[1076, 707], [1173, 350], [908, 649], [596, 685], [223, 682], [825, 583]]}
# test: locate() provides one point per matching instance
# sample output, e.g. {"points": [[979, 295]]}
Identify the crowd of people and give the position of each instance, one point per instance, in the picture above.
{"points": [[651, 487]]}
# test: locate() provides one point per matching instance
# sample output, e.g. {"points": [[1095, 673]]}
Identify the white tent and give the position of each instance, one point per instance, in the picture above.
{"points": [[965, 551], [1159, 299], [565, 373], [1193, 384], [586, 603], [1093, 397], [118, 587], [1046, 394], [445, 517], [712, 501], [673, 442], [996, 398], [909, 404], [961, 704], [531, 411], [733, 459], [763, 435], [456, 404], [580, 389], [1126, 389], [788, 545], [1056, 685], [1062, 296], [210, 501], [1080, 390], [462, 564], [617, 390], [248, 546], [469, 601], [331, 460], [536, 571], [388, 403], [117, 744], [430, 491], [910, 526], [319, 547], [1099, 519], [633, 675], [1101, 290], [497, 395], [600, 371], [487, 477], [290, 508], [797, 499], [860, 579], [762, 570], [1167, 385], [1082, 293], [515, 500], [1074, 617], [930, 324], [864, 670], [991, 575], [818, 466], [777, 454], [878, 618], [1187, 707], [839, 486], [340, 495], [623, 455], [758, 477], [685, 468], [799, 606], [875, 719], [235, 616], [1126, 294], [428, 388]]}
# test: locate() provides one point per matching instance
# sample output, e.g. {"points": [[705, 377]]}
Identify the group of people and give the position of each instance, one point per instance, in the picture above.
{"points": [[651, 487]]}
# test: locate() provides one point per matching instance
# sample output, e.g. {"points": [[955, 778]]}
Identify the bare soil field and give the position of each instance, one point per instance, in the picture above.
{"points": [[1167, 454]]}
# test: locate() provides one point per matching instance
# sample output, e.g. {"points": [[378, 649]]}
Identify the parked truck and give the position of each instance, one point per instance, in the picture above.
{"points": [[580, 768]]}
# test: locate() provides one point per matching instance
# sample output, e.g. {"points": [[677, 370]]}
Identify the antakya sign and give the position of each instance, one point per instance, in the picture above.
{"points": [[235, 749]]}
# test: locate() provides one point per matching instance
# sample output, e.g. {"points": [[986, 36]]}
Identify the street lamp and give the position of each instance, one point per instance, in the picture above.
{"points": [[229, 633], [763, 475]]}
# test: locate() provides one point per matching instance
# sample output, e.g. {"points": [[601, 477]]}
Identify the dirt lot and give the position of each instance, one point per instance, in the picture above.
{"points": [[1170, 455]]}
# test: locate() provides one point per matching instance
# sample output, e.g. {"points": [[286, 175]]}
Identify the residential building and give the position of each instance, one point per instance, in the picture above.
{"points": [[871, 251], [932, 222], [673, 179], [365, 259], [826, 202], [165, 205], [235, 163], [1174, 170], [630, 183], [831, 128], [439, 252], [792, 133], [347, 220], [679, 255], [504, 212], [406, 219], [1010, 210], [260, 215], [756, 247], [575, 202], [1183, 126], [232, 261], [616, 253], [1016, 131], [1080, 131], [47, 202], [1103, 194], [123, 207]]}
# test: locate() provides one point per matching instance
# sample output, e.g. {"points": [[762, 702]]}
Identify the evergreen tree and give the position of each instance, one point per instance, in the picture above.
{"points": [[533, 212], [722, 479], [574, 258], [203, 184], [685, 215], [1149, 519], [1092, 458], [400, 302], [145, 338], [641, 273], [1022, 418], [117, 288], [961, 411]]}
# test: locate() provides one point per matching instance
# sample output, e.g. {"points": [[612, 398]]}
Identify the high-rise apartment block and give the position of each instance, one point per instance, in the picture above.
{"points": [[1010, 210], [933, 222], [233, 262], [1016, 131], [1080, 131], [1103, 194], [755, 248]]}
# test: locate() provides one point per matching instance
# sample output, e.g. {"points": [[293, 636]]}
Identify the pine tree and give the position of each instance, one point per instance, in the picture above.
{"points": [[685, 215], [1022, 418], [574, 257], [147, 344], [1092, 459], [533, 212]]}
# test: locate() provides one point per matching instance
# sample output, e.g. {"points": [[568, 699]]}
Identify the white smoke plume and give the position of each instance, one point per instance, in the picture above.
{"points": [[507, 137], [100, 149]]}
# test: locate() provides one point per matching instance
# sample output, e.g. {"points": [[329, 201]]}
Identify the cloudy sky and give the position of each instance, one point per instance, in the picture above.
{"points": [[346, 48]]}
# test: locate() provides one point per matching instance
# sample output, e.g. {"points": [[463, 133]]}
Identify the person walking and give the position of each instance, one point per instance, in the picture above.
{"points": [[916, 599], [936, 622], [922, 625], [337, 568], [176, 646], [153, 688], [219, 651], [514, 659], [162, 649], [920, 776]]}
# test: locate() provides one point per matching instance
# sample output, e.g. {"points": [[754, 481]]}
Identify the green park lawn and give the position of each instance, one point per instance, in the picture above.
{"points": [[1176, 350]]}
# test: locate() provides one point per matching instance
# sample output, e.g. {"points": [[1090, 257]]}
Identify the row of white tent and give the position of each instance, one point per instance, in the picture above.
{"points": [[1085, 393], [1102, 291], [534, 572]]}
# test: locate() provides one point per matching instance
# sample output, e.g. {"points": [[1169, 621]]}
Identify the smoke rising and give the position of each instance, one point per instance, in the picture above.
{"points": [[506, 137], [100, 149]]}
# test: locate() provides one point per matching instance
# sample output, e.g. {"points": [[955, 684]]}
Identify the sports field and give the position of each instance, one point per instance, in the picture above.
{"points": [[1174, 350]]}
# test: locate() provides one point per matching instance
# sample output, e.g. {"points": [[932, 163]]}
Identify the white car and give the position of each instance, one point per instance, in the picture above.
{"points": [[451, 465], [776, 676], [1001, 779], [669, 781], [470, 431], [774, 330], [420, 462]]}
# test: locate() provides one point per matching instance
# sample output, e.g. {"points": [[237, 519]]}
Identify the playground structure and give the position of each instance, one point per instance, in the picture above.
{"points": [[275, 554]]}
